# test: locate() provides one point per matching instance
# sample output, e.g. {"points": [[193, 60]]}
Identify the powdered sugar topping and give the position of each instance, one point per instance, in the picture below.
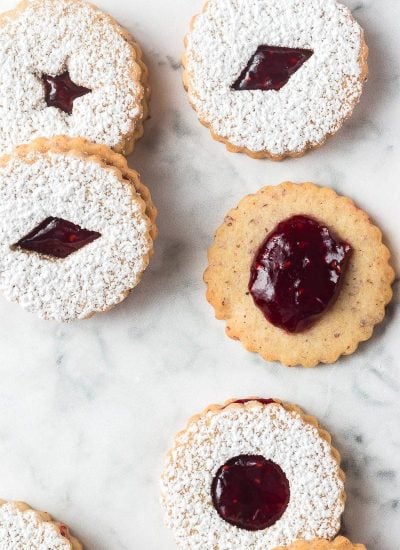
{"points": [[20, 530], [85, 193], [316, 488], [317, 98], [50, 37]]}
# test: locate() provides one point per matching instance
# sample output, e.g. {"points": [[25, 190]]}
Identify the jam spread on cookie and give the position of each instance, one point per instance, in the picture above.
{"points": [[61, 92], [250, 492], [56, 237], [296, 273], [271, 67]]}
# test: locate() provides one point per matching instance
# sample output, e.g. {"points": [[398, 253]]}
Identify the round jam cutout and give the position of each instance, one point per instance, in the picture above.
{"points": [[250, 492], [296, 273]]}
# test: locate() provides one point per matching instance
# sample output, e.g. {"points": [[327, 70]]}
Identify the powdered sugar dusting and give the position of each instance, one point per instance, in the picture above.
{"points": [[316, 502], [22, 530], [49, 37], [87, 194], [317, 98]]}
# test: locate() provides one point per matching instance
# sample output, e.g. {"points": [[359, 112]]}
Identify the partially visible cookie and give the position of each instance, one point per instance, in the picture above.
{"points": [[299, 274], [22, 528], [340, 543], [77, 228], [68, 68], [252, 474], [274, 78]]}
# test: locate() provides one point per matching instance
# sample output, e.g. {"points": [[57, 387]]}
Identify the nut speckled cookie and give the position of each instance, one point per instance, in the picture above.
{"points": [[299, 274], [68, 68], [252, 473], [22, 528], [273, 78], [77, 228], [340, 543]]}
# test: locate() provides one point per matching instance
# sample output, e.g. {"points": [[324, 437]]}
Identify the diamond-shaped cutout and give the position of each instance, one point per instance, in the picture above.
{"points": [[271, 67], [61, 91], [57, 238]]}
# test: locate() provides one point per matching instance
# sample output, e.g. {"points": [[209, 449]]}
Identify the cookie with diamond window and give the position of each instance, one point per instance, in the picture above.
{"points": [[274, 78], [76, 230]]}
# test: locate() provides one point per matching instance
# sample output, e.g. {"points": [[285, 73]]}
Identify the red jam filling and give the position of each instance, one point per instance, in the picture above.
{"points": [[271, 67], [250, 492], [56, 237], [61, 92], [296, 273]]}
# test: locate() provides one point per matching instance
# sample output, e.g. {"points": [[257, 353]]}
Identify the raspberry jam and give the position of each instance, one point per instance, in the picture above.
{"points": [[271, 67], [56, 237], [250, 492], [61, 92], [296, 273]]}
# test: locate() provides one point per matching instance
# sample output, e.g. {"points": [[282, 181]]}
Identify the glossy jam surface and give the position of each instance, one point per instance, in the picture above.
{"points": [[61, 92], [250, 492], [57, 238], [296, 273], [271, 67]]}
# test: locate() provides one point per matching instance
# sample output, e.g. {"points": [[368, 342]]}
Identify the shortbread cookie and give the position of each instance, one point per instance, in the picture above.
{"points": [[22, 528], [67, 68], [76, 230], [252, 473], [274, 78], [299, 274], [340, 543]]}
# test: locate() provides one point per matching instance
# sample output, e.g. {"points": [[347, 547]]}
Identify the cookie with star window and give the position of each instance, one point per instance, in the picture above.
{"points": [[274, 78], [252, 473], [76, 230], [69, 69], [299, 274]]}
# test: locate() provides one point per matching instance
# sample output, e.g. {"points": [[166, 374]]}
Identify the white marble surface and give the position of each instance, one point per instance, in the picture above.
{"points": [[88, 410]]}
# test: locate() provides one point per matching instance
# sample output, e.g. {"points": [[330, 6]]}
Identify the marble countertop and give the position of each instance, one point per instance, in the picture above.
{"points": [[88, 410]]}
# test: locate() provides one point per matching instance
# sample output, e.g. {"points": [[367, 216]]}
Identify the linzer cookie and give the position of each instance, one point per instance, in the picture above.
{"points": [[76, 229], [273, 78], [252, 473], [22, 528], [69, 69], [299, 274], [340, 543]]}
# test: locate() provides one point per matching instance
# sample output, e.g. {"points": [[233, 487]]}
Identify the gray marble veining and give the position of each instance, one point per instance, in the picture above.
{"points": [[88, 410]]}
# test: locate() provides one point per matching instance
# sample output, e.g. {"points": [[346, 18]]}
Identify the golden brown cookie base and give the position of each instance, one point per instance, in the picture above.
{"points": [[340, 543], [361, 302], [107, 158], [140, 74], [265, 154], [44, 517]]}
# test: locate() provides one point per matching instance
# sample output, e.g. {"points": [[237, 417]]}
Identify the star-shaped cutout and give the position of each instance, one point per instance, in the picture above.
{"points": [[57, 238], [271, 67], [61, 91]]}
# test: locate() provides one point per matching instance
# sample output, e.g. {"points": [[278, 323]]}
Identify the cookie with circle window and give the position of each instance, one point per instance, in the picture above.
{"points": [[299, 274], [252, 473], [76, 230], [21, 527], [340, 543], [69, 69], [274, 78]]}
